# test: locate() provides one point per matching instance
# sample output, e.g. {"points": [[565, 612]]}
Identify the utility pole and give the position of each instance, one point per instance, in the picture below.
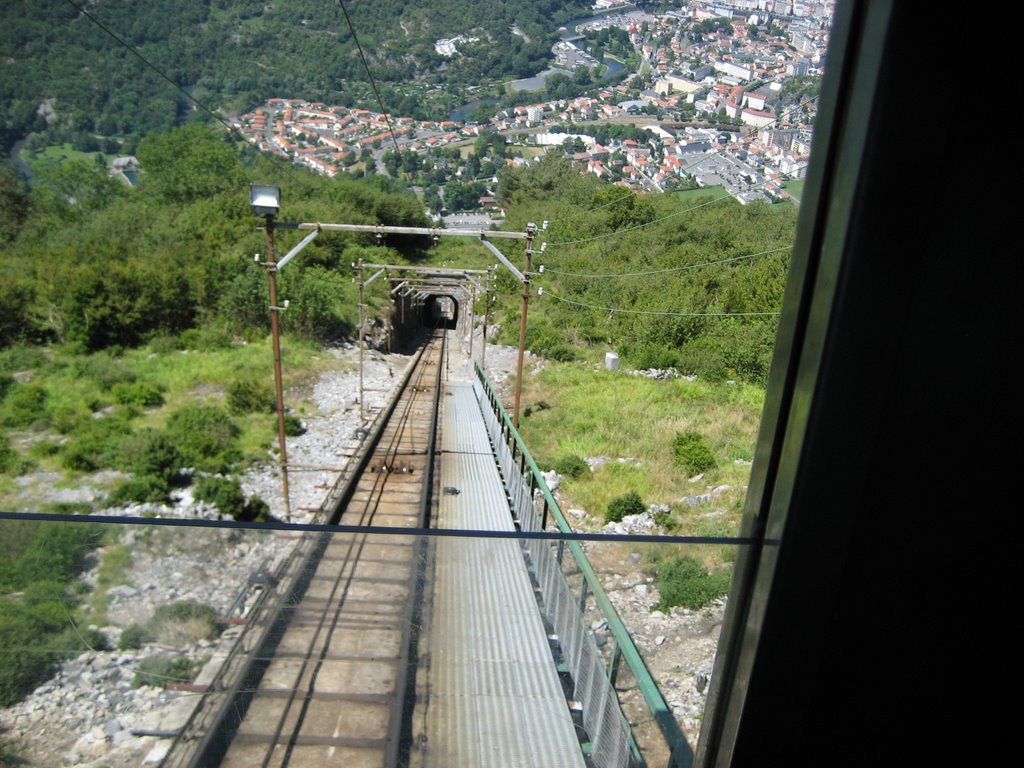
{"points": [[275, 333], [487, 316], [531, 232], [362, 314]]}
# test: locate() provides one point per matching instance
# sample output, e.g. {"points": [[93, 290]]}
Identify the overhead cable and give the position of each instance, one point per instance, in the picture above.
{"points": [[669, 269], [369, 74], [152, 66], [614, 310], [640, 226]]}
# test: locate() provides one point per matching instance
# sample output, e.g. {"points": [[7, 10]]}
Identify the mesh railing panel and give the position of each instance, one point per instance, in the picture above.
{"points": [[602, 716]]}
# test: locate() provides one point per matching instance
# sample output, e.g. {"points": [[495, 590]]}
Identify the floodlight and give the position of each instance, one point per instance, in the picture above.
{"points": [[265, 199]]}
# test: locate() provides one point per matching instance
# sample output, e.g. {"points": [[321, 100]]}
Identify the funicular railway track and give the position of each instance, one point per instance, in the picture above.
{"points": [[326, 682]]}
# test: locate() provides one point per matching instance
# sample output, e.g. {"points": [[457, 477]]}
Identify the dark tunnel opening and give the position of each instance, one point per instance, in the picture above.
{"points": [[441, 311]]}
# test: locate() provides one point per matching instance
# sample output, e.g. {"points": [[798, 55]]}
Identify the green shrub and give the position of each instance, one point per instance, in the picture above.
{"points": [[666, 519], [105, 368], [692, 452], [139, 490], [250, 395], [11, 461], [572, 466], [645, 356], [134, 637], [25, 405], [186, 610], [164, 345], [207, 337], [683, 581], [67, 508], [293, 426], [95, 444], [224, 494], [256, 510], [22, 357], [628, 504], [140, 393], [42, 449], [205, 436], [165, 670], [69, 417], [148, 453], [229, 499], [79, 458]]}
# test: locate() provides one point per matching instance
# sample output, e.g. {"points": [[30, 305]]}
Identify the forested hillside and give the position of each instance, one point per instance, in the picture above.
{"points": [[692, 282], [89, 261], [64, 76]]}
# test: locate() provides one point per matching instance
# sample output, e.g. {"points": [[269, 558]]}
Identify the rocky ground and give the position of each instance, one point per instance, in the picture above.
{"points": [[89, 714]]}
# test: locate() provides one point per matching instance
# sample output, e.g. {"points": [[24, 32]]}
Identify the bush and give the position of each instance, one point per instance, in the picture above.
{"points": [[692, 452], [183, 623], [148, 453], [205, 436], [206, 338], [25, 405], [95, 445], [140, 393], [44, 449], [165, 670], [133, 638], [228, 497], [627, 504], [683, 581], [224, 494], [572, 466], [11, 461], [293, 426], [139, 490], [105, 368], [250, 395], [69, 417], [256, 510]]}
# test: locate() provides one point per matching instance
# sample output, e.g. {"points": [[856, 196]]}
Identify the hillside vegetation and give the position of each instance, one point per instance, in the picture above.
{"points": [[89, 261], [695, 284], [65, 77], [121, 309]]}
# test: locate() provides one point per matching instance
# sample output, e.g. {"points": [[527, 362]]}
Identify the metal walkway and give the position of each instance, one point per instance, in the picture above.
{"points": [[492, 695]]}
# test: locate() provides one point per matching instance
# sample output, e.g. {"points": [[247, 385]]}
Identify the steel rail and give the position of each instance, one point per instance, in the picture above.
{"points": [[234, 685]]}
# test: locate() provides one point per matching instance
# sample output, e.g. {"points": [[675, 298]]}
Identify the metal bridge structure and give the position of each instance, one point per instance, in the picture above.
{"points": [[446, 616]]}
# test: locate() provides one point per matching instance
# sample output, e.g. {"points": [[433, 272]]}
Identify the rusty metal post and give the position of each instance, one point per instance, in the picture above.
{"points": [[531, 231], [391, 310], [472, 321], [487, 316], [362, 344], [275, 333]]}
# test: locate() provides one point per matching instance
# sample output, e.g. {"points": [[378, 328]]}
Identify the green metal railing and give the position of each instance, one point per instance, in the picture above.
{"points": [[680, 752]]}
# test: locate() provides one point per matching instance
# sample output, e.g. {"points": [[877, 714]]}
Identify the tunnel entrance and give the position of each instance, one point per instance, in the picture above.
{"points": [[441, 311]]}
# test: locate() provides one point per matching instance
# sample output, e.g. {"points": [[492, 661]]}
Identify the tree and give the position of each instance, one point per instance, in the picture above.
{"points": [[189, 163], [13, 204]]}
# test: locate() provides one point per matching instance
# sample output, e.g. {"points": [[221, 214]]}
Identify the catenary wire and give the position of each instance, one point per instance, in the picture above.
{"points": [[668, 269], [152, 66], [641, 226], [614, 310], [369, 74]]}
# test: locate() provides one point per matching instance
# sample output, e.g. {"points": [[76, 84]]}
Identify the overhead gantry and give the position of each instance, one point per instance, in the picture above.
{"points": [[425, 288]]}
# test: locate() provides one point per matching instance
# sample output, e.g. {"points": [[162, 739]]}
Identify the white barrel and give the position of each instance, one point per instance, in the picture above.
{"points": [[611, 361]]}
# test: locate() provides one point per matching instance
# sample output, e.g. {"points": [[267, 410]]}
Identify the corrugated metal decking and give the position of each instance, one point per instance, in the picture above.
{"points": [[494, 697]]}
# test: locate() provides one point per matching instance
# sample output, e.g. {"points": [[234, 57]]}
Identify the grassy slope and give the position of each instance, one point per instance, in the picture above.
{"points": [[577, 410]]}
